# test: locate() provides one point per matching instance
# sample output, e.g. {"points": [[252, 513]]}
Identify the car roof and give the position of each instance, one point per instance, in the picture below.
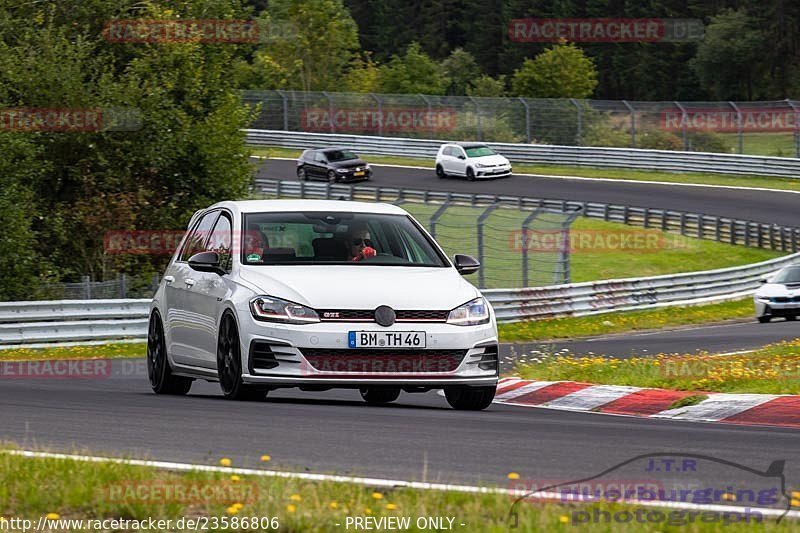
{"points": [[279, 206], [470, 145]]}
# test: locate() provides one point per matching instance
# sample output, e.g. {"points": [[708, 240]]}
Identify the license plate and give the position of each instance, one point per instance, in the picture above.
{"points": [[386, 339], [360, 173]]}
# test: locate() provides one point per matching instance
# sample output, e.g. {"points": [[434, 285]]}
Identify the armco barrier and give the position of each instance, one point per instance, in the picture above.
{"points": [[633, 158], [107, 320], [720, 229]]}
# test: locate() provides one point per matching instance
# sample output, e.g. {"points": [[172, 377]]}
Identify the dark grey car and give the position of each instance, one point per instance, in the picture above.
{"points": [[332, 165]]}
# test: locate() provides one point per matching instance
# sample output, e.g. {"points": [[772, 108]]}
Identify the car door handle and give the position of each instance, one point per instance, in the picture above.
{"points": [[189, 282], [169, 279]]}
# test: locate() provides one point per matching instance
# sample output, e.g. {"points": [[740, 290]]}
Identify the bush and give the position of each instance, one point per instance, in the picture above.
{"points": [[659, 140], [707, 141]]}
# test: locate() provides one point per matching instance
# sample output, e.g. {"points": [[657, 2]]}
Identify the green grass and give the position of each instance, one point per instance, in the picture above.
{"points": [[771, 144], [97, 351], [788, 184], [594, 257], [620, 322], [32, 487], [773, 369]]}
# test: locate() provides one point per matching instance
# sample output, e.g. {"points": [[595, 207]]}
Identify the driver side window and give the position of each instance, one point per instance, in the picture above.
{"points": [[221, 241], [195, 242]]}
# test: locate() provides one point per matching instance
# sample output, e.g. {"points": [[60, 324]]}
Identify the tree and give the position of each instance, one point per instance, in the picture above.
{"points": [[728, 61], [562, 71], [364, 76], [187, 151], [415, 72], [487, 86], [322, 43], [462, 69]]}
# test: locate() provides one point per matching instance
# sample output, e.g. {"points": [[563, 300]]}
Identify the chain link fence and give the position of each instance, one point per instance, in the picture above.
{"points": [[758, 128], [123, 286], [517, 246]]}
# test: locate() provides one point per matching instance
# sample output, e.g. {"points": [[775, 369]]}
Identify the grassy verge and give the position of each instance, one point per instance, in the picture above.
{"points": [[603, 324], [98, 351], [66, 489], [773, 369], [788, 184]]}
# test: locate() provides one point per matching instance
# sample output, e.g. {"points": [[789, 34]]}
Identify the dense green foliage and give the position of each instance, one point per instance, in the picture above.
{"points": [[61, 192]]}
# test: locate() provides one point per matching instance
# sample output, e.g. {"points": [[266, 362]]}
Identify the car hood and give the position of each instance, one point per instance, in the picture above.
{"points": [[347, 164], [495, 159], [779, 289], [362, 287]]}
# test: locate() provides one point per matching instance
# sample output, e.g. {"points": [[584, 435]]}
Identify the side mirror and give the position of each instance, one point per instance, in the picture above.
{"points": [[206, 262], [462, 157], [466, 264]]}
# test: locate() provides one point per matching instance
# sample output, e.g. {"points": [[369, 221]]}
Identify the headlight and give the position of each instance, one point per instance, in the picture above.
{"points": [[271, 309], [481, 165], [471, 313], [342, 170]]}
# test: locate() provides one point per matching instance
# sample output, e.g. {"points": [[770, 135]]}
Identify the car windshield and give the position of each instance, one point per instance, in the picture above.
{"points": [[788, 275], [335, 156], [336, 238], [479, 151]]}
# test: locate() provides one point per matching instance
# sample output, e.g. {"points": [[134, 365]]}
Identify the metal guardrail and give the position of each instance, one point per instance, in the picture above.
{"points": [[93, 320], [579, 299], [633, 158], [710, 227]]}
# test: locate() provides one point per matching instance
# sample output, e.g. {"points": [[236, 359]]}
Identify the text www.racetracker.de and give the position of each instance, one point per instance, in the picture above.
{"points": [[198, 523]]}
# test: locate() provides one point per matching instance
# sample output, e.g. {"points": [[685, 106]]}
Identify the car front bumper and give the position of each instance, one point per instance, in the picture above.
{"points": [[283, 355], [767, 306], [492, 172]]}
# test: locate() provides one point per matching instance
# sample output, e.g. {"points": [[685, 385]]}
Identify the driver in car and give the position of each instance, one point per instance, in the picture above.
{"points": [[361, 245]]}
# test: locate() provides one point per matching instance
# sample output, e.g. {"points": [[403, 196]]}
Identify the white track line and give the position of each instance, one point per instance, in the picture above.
{"points": [[389, 483], [583, 178]]}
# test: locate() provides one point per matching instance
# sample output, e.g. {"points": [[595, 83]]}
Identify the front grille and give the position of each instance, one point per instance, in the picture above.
{"points": [[785, 299], [365, 315], [261, 356], [383, 361]]}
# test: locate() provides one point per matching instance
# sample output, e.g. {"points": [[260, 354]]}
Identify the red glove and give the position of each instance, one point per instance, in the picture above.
{"points": [[368, 251]]}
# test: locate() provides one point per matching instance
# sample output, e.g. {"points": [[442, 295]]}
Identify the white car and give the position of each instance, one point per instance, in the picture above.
{"points": [[779, 296], [471, 160], [320, 294]]}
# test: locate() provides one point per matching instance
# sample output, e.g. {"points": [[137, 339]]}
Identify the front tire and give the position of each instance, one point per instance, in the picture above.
{"points": [[440, 172], [791, 318], [470, 174], [229, 364], [764, 319], [332, 177], [380, 396], [466, 398], [302, 175], [159, 371]]}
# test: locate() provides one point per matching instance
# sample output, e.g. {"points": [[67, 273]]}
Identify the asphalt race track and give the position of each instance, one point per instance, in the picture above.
{"points": [[776, 207], [722, 338], [418, 438]]}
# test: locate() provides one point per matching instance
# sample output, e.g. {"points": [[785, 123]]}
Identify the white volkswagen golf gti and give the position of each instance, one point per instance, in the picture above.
{"points": [[320, 294]]}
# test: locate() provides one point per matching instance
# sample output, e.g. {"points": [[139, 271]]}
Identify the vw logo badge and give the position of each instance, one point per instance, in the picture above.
{"points": [[384, 315]]}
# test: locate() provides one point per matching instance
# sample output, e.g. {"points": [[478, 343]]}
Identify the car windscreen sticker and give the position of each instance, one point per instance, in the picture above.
{"points": [[253, 257]]}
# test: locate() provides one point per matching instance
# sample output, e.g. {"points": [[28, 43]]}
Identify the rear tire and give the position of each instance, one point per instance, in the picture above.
{"points": [[229, 364], [440, 172], [466, 398], [470, 174], [380, 396], [159, 371], [764, 319]]}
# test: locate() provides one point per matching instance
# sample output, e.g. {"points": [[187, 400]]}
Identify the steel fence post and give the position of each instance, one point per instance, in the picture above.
{"points": [[380, 113], [526, 224], [437, 215], [527, 119], [633, 123], [481, 256], [430, 110], [87, 287], [796, 127], [579, 133], [566, 227], [285, 103], [684, 122], [477, 116], [327, 95], [123, 285], [738, 126]]}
